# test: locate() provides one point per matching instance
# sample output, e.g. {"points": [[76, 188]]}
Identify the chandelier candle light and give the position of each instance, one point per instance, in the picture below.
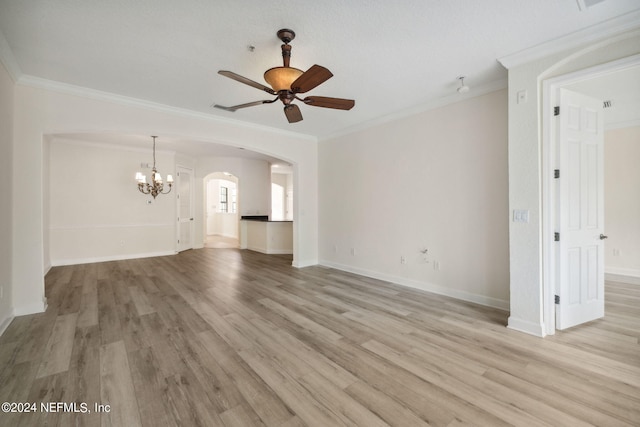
{"points": [[156, 187]]}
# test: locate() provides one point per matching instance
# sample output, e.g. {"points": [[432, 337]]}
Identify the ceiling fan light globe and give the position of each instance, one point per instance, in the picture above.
{"points": [[280, 78], [463, 89]]}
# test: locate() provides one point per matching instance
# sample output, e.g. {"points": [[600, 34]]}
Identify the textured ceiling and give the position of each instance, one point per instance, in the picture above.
{"points": [[388, 56]]}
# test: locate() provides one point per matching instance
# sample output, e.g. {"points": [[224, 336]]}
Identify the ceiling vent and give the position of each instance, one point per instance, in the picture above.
{"points": [[585, 4]]}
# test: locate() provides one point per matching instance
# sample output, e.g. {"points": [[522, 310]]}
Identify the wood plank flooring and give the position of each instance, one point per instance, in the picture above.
{"points": [[223, 337]]}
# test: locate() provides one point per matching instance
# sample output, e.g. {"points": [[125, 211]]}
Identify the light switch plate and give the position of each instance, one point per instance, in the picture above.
{"points": [[520, 215]]}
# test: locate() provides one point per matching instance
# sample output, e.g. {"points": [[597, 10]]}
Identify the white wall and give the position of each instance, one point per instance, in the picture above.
{"points": [[525, 168], [280, 179], [254, 188], [436, 181], [96, 212], [44, 108], [622, 201], [6, 184], [220, 223]]}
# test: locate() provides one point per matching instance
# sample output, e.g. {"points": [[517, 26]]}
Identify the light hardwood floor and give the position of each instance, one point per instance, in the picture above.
{"points": [[236, 338], [221, 242]]}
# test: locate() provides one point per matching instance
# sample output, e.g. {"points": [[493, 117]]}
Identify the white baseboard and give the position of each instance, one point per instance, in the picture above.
{"points": [[536, 329], [304, 263], [270, 251], [621, 278], [424, 286], [4, 324], [57, 263], [624, 275], [31, 308]]}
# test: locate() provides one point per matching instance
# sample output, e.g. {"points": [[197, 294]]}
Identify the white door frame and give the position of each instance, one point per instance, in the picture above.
{"points": [[179, 169], [550, 89]]}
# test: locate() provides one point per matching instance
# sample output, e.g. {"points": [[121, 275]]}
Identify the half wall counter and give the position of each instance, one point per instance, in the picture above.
{"points": [[258, 233]]}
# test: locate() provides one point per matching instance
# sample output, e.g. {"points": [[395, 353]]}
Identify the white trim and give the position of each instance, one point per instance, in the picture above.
{"points": [[8, 60], [622, 125], [631, 272], [623, 278], [6, 322], [525, 326], [270, 251], [303, 264], [181, 168], [423, 286], [606, 29], [100, 226], [475, 92], [550, 88], [37, 307], [40, 83], [58, 263], [57, 139]]}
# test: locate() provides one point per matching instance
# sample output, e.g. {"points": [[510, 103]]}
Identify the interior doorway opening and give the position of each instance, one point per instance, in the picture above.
{"points": [[281, 193], [581, 81], [221, 228]]}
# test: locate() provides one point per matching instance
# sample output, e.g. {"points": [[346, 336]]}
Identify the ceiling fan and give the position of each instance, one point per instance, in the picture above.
{"points": [[287, 82]]}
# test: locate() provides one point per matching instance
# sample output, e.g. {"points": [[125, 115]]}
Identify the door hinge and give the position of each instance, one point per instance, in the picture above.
{"points": [[556, 173], [556, 111], [556, 299], [556, 237]]}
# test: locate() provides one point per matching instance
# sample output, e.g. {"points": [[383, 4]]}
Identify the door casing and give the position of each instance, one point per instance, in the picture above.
{"points": [[550, 90]]}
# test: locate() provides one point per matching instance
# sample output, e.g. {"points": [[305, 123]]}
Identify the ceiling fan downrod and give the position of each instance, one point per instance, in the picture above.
{"points": [[286, 36]]}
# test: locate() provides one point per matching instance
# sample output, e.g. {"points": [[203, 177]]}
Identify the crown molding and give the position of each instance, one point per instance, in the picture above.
{"points": [[623, 23], [8, 60], [475, 92], [57, 139], [622, 125], [40, 83]]}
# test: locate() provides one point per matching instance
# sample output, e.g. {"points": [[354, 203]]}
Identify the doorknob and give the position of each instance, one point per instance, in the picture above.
{"points": [[602, 236]]}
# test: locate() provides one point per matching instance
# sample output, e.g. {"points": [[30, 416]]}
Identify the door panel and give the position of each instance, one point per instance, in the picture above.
{"points": [[580, 273], [185, 209]]}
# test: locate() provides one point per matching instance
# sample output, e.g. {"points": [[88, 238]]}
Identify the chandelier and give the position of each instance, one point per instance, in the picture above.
{"points": [[156, 186]]}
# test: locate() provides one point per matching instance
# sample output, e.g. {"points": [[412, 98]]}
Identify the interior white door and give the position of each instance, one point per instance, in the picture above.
{"points": [[185, 208], [580, 262]]}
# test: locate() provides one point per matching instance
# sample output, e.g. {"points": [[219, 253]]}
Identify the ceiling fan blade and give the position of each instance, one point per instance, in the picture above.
{"points": [[323, 101], [239, 78], [248, 104], [293, 113], [314, 76]]}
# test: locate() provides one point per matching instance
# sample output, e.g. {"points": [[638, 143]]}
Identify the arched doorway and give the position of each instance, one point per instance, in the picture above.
{"points": [[221, 225]]}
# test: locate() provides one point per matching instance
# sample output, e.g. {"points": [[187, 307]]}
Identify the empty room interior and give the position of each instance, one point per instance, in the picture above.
{"points": [[270, 213]]}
